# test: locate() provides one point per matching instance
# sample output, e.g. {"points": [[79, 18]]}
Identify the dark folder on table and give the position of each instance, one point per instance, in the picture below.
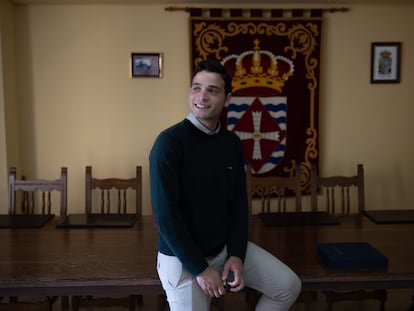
{"points": [[391, 216], [98, 221], [351, 255], [298, 219], [24, 221]]}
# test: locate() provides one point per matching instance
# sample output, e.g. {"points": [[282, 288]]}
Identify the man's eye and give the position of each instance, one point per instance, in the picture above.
{"points": [[195, 88], [212, 91]]}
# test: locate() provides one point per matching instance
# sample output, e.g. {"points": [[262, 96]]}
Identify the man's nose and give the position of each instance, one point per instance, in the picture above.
{"points": [[203, 94]]}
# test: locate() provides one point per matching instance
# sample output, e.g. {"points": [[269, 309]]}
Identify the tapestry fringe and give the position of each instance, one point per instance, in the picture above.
{"points": [[255, 13]]}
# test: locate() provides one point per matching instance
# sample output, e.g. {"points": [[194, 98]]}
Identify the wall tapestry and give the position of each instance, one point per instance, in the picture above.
{"points": [[275, 63]]}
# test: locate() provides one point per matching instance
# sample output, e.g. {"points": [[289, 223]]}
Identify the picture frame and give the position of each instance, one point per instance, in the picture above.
{"points": [[146, 65], [385, 62]]}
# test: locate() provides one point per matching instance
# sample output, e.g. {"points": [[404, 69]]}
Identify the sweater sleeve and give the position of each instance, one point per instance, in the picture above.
{"points": [[238, 232], [165, 164]]}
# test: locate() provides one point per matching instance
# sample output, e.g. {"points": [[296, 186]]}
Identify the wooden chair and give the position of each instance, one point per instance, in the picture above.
{"points": [[339, 193], [107, 186], [273, 193], [35, 191], [274, 189], [338, 189], [36, 196], [118, 190]]}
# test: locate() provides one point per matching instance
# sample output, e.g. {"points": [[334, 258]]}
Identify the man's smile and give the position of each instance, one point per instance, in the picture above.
{"points": [[201, 106]]}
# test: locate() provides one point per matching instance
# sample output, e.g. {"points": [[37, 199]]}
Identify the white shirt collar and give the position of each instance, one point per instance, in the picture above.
{"points": [[200, 126]]}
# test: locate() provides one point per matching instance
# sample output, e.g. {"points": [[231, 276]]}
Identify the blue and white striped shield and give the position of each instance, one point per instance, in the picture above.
{"points": [[261, 124]]}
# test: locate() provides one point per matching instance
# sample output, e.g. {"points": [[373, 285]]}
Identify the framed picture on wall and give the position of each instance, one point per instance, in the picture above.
{"points": [[146, 65], [385, 62]]}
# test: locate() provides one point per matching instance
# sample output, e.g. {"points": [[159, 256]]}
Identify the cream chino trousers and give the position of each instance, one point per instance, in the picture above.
{"points": [[263, 272]]}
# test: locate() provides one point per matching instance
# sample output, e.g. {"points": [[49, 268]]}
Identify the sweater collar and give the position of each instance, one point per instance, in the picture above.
{"points": [[200, 126]]}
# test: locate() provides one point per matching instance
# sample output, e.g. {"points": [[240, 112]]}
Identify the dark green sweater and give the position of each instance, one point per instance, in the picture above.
{"points": [[198, 193]]}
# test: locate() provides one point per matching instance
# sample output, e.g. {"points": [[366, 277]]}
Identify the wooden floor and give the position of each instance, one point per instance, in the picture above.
{"points": [[398, 300]]}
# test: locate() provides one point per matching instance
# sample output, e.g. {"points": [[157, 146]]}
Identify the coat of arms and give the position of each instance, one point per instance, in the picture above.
{"points": [[258, 111]]}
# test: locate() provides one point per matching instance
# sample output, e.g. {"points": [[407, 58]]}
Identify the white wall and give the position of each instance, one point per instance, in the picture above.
{"points": [[79, 106]]}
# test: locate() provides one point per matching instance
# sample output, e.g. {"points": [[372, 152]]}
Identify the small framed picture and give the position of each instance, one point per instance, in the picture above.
{"points": [[385, 62], [146, 65]]}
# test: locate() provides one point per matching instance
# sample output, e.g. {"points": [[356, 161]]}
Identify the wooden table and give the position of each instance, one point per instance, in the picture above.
{"points": [[51, 261], [66, 262], [296, 247]]}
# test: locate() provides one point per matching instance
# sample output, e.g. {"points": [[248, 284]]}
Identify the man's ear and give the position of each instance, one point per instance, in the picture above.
{"points": [[227, 99]]}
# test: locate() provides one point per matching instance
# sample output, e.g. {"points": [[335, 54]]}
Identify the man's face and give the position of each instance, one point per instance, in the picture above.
{"points": [[207, 98]]}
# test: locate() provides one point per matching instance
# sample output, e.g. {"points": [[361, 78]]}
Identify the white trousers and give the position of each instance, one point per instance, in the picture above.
{"points": [[279, 285]]}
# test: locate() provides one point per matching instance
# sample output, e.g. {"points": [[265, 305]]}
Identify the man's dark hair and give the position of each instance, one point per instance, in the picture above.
{"points": [[210, 65]]}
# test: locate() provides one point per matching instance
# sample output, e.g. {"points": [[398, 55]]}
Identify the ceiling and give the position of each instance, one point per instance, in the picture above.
{"points": [[198, 2]]}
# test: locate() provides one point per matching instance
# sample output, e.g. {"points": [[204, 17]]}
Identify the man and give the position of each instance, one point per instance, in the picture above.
{"points": [[198, 192]]}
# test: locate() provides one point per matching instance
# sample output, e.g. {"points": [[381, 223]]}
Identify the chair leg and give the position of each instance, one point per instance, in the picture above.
{"points": [[161, 302], [131, 302], [75, 303], [139, 300], [65, 302]]}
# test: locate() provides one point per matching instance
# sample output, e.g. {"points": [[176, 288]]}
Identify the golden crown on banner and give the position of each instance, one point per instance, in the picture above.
{"points": [[266, 69]]}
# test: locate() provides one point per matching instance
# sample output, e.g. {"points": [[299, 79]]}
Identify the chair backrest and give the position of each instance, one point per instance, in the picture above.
{"points": [[107, 187], [338, 189], [274, 189], [37, 190]]}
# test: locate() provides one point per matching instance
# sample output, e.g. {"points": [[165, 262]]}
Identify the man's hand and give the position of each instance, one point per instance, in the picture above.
{"points": [[234, 266], [210, 282]]}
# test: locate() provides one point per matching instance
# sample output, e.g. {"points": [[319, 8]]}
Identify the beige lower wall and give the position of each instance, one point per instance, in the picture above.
{"points": [[8, 102], [3, 148], [78, 106]]}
